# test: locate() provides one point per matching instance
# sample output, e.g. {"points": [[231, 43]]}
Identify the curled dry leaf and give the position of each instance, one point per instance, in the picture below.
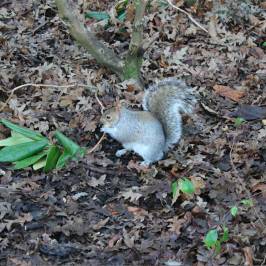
{"points": [[228, 92]]}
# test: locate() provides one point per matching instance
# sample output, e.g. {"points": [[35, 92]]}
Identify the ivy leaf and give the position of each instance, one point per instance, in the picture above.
{"points": [[211, 238], [186, 186], [234, 211]]}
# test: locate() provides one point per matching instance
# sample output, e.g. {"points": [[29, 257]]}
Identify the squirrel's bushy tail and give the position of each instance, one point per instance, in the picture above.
{"points": [[167, 100]]}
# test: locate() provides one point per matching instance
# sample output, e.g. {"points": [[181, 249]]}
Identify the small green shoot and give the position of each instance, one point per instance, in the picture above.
{"points": [[225, 236], [247, 202], [239, 121], [234, 211], [212, 240], [186, 186]]}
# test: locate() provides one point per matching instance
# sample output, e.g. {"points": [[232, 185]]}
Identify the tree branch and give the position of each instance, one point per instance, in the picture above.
{"points": [[136, 38], [87, 39], [134, 56]]}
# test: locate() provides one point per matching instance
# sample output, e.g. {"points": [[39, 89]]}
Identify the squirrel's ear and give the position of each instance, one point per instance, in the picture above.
{"points": [[117, 105]]}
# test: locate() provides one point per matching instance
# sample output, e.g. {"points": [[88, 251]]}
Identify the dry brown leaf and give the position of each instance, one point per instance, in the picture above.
{"points": [[137, 212], [248, 256], [228, 92], [113, 240], [94, 182], [259, 187], [101, 224]]}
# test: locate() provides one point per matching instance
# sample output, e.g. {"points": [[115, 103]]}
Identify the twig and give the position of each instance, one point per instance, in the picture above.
{"points": [[99, 102], [186, 13], [37, 86], [97, 144], [241, 181]]}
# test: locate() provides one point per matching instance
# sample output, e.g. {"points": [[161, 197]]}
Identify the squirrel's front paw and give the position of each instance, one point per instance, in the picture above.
{"points": [[121, 152], [145, 163]]}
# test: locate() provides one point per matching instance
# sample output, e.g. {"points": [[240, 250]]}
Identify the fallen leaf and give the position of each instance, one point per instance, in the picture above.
{"points": [[250, 112], [248, 256], [132, 194], [97, 182], [259, 187], [100, 224], [228, 92]]}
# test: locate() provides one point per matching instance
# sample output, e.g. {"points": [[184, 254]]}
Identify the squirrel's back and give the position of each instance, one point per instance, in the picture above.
{"points": [[166, 100]]}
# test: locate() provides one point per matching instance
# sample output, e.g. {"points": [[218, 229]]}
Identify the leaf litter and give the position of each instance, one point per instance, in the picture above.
{"points": [[104, 210]]}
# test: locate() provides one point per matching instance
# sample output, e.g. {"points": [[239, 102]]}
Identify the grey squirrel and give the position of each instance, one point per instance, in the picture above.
{"points": [[150, 133]]}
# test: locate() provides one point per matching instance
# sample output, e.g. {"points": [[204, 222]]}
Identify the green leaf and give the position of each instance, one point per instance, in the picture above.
{"points": [[239, 121], [263, 44], [22, 130], [40, 164], [186, 186], [63, 159], [218, 247], [211, 238], [225, 236], [247, 202], [175, 191], [122, 16], [52, 158], [29, 161], [15, 139], [71, 147], [97, 15], [21, 151], [234, 211]]}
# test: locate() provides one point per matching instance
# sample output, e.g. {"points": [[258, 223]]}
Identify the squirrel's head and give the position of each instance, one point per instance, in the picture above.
{"points": [[110, 117]]}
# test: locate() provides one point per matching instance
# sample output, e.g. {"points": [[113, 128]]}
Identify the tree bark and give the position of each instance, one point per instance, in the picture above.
{"points": [[135, 54], [103, 55]]}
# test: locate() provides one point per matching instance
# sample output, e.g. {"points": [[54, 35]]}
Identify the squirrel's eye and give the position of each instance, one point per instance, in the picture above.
{"points": [[108, 117]]}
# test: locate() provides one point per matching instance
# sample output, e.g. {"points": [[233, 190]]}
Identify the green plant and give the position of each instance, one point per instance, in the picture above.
{"points": [[184, 185], [26, 148], [239, 121], [213, 241]]}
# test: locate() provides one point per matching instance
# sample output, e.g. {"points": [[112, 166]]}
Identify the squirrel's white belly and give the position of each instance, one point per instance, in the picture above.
{"points": [[145, 151]]}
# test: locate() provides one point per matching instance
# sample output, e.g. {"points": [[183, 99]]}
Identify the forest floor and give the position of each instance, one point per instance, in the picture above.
{"points": [[103, 210]]}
